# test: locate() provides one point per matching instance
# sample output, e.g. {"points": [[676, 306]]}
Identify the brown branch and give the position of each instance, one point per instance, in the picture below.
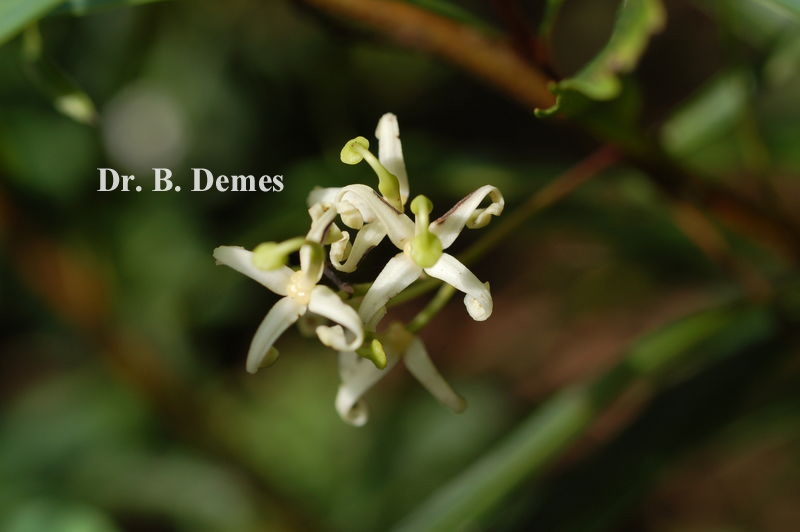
{"points": [[492, 60], [702, 232]]}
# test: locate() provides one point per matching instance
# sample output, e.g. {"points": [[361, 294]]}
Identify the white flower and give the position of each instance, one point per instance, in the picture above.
{"points": [[378, 215], [300, 289], [422, 243], [358, 375]]}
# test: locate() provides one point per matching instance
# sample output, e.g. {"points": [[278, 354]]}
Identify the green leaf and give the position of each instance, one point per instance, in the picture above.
{"points": [[454, 11], [789, 6], [705, 336], [636, 21], [551, 9], [35, 515], [86, 7], [707, 115], [67, 97], [16, 14]]}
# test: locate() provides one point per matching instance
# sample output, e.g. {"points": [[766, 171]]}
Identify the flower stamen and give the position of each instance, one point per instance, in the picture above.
{"points": [[357, 150], [272, 255]]}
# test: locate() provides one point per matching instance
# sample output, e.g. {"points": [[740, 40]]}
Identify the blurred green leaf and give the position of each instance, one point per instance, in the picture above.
{"points": [[551, 9], [791, 6], [174, 484], [453, 11], [86, 7], [16, 14], [555, 425], [68, 98], [710, 113], [39, 515], [615, 121], [757, 22], [45, 153], [636, 21]]}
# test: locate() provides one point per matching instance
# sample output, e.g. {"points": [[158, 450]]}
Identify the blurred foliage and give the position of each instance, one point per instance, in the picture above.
{"points": [[635, 21], [625, 369]]}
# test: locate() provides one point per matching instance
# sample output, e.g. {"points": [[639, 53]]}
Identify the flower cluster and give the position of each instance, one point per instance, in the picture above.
{"points": [[350, 324]]}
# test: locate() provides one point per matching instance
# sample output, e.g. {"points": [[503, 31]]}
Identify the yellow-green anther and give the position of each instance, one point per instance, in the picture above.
{"points": [[426, 248], [357, 150], [353, 151], [374, 352], [273, 255]]}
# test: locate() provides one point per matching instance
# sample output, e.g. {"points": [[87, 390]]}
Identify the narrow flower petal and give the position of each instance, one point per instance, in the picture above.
{"points": [[467, 212], [340, 250], [312, 257], [420, 365], [348, 334], [398, 273], [367, 238], [284, 313], [358, 376], [390, 151], [241, 260], [397, 225], [478, 299]]}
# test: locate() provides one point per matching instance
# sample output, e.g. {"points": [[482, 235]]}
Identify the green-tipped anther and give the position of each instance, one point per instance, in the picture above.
{"points": [[426, 248], [374, 353], [357, 150], [422, 206], [353, 151], [267, 256], [274, 255]]}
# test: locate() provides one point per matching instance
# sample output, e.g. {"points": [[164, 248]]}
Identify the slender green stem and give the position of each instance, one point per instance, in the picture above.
{"points": [[431, 309]]}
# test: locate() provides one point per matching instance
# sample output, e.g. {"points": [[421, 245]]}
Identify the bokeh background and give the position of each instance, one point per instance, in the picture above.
{"points": [[125, 404]]}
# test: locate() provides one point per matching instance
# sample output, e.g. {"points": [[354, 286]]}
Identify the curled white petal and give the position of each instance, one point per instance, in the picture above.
{"points": [[397, 225], [321, 220], [358, 375], [284, 313], [467, 212], [241, 260], [420, 365], [340, 250], [348, 334], [322, 196], [367, 238], [478, 299], [352, 217], [390, 151], [398, 273]]}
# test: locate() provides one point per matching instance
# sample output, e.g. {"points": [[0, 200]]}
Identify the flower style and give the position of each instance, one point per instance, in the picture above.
{"points": [[300, 289], [359, 375]]}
